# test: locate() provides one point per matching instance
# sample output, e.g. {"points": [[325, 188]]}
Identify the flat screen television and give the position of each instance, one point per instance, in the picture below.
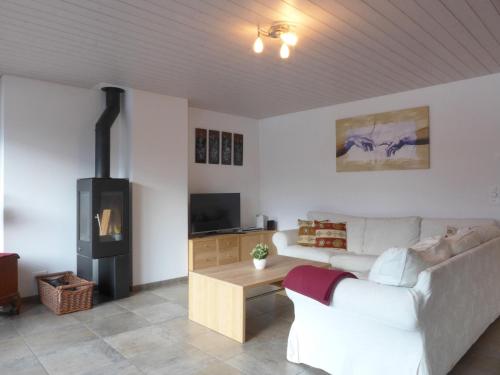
{"points": [[214, 212]]}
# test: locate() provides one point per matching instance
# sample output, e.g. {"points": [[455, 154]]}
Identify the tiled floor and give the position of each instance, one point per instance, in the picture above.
{"points": [[149, 333]]}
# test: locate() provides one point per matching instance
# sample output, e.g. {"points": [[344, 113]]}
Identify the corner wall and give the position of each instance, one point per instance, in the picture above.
{"points": [[48, 139], [159, 176], [48, 145], [297, 159], [211, 178]]}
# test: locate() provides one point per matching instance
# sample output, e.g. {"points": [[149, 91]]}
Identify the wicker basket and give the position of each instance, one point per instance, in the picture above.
{"points": [[65, 299]]}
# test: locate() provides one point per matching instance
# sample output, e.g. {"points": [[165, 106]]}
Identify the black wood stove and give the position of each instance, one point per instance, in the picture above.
{"points": [[103, 228]]}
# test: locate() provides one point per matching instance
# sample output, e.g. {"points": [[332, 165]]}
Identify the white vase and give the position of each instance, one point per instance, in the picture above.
{"points": [[259, 264]]}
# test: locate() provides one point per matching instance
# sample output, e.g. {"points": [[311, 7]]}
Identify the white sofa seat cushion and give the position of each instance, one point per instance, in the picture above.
{"points": [[355, 227], [316, 254], [398, 267], [434, 227], [353, 262], [384, 233]]}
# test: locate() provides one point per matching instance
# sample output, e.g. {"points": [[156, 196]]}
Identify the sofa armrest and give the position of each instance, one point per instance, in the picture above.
{"points": [[285, 238], [393, 306]]}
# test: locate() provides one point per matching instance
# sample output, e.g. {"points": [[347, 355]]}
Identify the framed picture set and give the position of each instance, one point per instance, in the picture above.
{"points": [[218, 147]]}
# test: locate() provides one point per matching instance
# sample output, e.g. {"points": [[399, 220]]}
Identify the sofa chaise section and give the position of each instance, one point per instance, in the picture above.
{"points": [[379, 329]]}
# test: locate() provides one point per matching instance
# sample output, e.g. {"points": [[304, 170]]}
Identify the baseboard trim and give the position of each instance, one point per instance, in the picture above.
{"points": [[135, 288], [30, 299], [156, 284]]}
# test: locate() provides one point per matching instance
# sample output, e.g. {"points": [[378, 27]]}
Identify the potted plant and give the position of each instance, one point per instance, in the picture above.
{"points": [[259, 255]]}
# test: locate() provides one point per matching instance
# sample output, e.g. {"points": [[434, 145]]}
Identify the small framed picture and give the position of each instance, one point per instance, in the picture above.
{"points": [[213, 146], [227, 148], [238, 149], [200, 145]]}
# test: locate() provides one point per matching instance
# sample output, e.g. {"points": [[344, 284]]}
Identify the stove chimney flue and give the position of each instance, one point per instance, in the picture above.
{"points": [[103, 131]]}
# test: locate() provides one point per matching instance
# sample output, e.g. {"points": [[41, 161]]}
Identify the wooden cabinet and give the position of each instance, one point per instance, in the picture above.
{"points": [[8, 281], [222, 249]]}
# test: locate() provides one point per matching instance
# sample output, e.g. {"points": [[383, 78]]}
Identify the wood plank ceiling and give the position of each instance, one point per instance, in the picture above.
{"points": [[201, 49]]}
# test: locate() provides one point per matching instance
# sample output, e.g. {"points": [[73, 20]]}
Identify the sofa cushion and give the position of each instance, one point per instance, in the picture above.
{"points": [[434, 227], [353, 262], [307, 233], [331, 235], [487, 232], [433, 250], [464, 240], [384, 233], [355, 227], [398, 267], [317, 254]]}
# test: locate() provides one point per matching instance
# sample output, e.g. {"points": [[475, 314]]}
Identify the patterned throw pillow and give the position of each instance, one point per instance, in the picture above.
{"points": [[331, 235], [307, 233]]}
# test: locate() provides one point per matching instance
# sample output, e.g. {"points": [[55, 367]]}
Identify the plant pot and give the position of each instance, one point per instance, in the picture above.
{"points": [[259, 264]]}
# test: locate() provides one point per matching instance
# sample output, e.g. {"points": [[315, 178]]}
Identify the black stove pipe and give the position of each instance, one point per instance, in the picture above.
{"points": [[103, 131]]}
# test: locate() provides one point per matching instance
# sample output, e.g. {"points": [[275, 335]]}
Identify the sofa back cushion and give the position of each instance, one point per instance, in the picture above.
{"points": [[384, 233], [307, 233], [435, 227], [465, 239], [331, 235], [433, 250], [355, 227]]}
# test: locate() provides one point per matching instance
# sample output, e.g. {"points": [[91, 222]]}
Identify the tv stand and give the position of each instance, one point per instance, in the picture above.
{"points": [[218, 249]]}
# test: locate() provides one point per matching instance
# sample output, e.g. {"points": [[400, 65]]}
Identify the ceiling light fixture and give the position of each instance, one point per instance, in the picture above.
{"points": [[278, 30]]}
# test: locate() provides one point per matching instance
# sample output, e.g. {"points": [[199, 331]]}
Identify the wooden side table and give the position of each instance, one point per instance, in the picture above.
{"points": [[9, 293]]}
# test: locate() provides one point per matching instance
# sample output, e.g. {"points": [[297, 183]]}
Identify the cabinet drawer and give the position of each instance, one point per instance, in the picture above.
{"points": [[228, 256], [204, 254], [228, 243], [204, 246], [248, 242], [204, 260]]}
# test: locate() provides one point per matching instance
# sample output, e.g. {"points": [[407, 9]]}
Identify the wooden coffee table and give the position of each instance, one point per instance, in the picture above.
{"points": [[217, 294]]}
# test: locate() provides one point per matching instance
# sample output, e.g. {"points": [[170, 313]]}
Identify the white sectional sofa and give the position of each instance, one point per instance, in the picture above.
{"points": [[367, 238], [371, 328]]}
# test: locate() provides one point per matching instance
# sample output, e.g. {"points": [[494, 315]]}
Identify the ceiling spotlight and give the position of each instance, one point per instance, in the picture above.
{"points": [[284, 51], [289, 38], [278, 30], [258, 45]]}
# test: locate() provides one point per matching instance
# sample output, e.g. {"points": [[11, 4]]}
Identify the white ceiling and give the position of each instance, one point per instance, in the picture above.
{"points": [[201, 49]]}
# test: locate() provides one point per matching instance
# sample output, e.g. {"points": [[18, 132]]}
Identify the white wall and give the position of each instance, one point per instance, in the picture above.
{"points": [[297, 164], [159, 176], [48, 145], [211, 178], [2, 242]]}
